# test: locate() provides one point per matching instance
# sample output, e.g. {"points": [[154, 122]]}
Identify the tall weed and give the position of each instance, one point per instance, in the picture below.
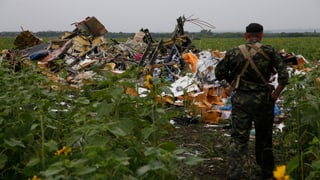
{"points": [[302, 131]]}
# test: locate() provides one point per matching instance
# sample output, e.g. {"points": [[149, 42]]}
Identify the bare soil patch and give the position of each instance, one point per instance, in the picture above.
{"points": [[211, 143]]}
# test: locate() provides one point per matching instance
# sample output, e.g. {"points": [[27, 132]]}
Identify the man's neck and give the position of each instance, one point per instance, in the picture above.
{"points": [[253, 40]]}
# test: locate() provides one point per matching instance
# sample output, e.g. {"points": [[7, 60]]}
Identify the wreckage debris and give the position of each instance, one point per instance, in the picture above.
{"points": [[26, 39], [190, 71]]}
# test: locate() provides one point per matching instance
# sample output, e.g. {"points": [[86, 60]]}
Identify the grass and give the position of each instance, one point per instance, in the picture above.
{"points": [[305, 46]]}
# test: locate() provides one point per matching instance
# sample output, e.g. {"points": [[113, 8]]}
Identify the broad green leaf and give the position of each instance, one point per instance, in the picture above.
{"points": [[122, 128], [77, 163], [117, 92], [33, 161], [316, 165], [26, 116], [142, 170], [169, 146], [156, 165], [33, 126], [161, 111], [51, 145], [293, 164], [52, 171], [118, 131], [147, 132], [3, 160], [84, 170], [105, 108], [97, 140], [82, 100], [73, 139], [192, 160], [179, 151], [13, 142], [124, 160], [51, 127]]}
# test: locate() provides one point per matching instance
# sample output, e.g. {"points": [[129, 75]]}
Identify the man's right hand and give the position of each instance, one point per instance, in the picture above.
{"points": [[276, 93]]}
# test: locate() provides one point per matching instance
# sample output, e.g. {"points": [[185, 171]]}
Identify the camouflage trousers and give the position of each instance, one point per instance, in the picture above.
{"points": [[254, 107]]}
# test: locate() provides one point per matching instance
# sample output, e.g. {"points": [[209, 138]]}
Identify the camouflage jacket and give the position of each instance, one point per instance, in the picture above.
{"points": [[234, 61]]}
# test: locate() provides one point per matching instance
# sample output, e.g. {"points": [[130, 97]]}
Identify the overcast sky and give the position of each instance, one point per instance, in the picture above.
{"points": [[159, 15]]}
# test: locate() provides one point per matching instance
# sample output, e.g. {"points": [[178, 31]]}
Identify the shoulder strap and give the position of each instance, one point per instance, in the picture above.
{"points": [[236, 85], [247, 56], [257, 47]]}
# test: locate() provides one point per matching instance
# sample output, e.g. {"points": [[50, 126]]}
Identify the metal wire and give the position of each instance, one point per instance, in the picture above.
{"points": [[198, 22]]}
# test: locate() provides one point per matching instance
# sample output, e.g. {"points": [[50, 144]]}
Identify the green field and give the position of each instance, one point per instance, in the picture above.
{"points": [[306, 46], [309, 47]]}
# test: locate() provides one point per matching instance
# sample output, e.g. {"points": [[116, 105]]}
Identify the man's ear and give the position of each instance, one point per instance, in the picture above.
{"points": [[260, 36], [246, 35]]}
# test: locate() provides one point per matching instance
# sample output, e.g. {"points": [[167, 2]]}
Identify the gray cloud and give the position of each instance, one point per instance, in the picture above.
{"points": [[158, 15]]}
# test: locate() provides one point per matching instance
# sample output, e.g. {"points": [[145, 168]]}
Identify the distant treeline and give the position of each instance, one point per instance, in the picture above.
{"points": [[193, 35]]}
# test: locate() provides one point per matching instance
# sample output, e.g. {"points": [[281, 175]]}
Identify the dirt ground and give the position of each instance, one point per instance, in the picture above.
{"points": [[211, 143]]}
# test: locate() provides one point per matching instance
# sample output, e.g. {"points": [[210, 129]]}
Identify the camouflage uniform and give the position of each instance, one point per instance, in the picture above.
{"points": [[251, 102]]}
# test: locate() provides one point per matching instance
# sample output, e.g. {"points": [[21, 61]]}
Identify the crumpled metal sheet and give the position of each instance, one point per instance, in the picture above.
{"points": [[81, 44], [91, 26], [26, 39]]}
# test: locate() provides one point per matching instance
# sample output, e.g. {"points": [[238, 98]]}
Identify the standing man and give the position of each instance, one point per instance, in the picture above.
{"points": [[248, 68]]}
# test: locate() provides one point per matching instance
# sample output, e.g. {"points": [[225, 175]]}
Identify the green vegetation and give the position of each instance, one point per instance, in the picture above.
{"points": [[301, 137], [309, 47], [56, 133], [6, 43], [52, 132]]}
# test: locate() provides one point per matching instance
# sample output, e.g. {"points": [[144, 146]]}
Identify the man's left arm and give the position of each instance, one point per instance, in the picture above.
{"points": [[283, 76], [222, 70]]}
